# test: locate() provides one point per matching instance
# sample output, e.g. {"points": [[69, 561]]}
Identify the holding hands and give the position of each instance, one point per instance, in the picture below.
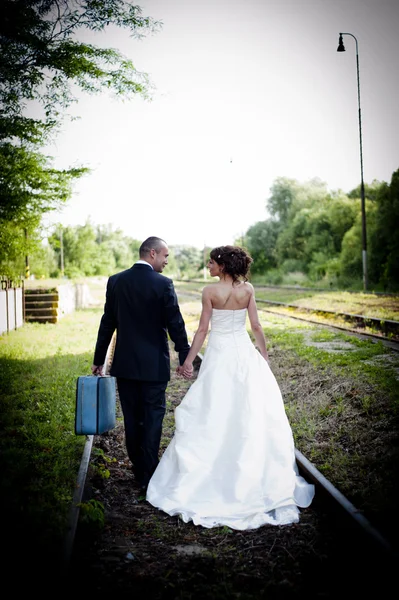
{"points": [[186, 370]]}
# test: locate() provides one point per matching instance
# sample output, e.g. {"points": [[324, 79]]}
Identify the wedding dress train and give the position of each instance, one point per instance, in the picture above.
{"points": [[231, 460]]}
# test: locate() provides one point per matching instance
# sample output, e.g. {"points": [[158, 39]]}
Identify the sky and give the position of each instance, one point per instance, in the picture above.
{"points": [[245, 92]]}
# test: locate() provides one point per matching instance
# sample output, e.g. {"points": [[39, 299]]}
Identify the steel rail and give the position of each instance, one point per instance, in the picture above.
{"points": [[312, 473], [377, 338], [361, 335], [386, 324], [74, 511]]}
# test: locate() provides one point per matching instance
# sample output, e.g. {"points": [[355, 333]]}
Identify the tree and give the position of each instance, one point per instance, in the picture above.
{"points": [[189, 261], [282, 195], [384, 235], [371, 191], [41, 54], [261, 241], [382, 217], [29, 185], [90, 250], [41, 59], [288, 195], [305, 231], [341, 213]]}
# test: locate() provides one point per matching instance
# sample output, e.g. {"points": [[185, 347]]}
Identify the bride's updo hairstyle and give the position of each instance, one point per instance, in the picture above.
{"points": [[234, 260]]}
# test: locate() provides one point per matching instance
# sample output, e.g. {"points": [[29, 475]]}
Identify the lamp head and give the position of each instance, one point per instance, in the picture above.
{"points": [[341, 47]]}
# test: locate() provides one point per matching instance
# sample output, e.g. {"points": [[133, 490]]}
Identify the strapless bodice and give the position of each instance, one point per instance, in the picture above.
{"points": [[228, 321]]}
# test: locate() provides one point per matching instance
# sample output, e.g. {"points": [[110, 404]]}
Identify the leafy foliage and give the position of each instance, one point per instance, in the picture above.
{"points": [[42, 60], [41, 54], [261, 239], [29, 185], [385, 234], [89, 250], [318, 233], [102, 250], [189, 261]]}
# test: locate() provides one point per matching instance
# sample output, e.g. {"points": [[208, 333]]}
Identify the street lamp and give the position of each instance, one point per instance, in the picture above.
{"points": [[341, 48]]}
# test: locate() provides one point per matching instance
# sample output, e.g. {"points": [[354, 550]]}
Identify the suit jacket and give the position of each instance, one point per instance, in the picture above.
{"points": [[141, 305]]}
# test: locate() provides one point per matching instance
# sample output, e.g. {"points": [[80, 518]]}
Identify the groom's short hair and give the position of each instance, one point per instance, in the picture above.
{"points": [[150, 243]]}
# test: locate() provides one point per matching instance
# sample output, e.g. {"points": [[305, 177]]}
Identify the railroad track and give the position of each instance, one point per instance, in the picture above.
{"points": [[391, 328], [297, 288], [354, 552], [77, 499]]}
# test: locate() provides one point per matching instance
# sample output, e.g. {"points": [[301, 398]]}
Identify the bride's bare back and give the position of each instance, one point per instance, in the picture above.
{"points": [[225, 295]]}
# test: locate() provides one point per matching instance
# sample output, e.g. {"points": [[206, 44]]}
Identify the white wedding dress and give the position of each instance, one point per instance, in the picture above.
{"points": [[232, 460]]}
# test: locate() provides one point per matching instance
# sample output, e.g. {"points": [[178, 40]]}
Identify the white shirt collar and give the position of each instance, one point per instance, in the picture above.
{"points": [[144, 262]]}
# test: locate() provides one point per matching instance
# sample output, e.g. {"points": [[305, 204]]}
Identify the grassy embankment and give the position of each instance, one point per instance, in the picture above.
{"points": [[39, 365]]}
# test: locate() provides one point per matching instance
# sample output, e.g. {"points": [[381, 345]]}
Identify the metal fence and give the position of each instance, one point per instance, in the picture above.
{"points": [[11, 304]]}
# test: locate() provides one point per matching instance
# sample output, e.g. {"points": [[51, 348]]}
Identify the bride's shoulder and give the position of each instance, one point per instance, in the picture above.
{"points": [[210, 286], [208, 294], [249, 286], [208, 289], [212, 290]]}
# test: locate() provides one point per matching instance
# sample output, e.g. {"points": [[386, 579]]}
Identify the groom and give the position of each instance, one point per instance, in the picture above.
{"points": [[141, 305]]}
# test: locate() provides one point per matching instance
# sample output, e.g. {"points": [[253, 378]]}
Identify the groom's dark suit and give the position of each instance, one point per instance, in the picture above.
{"points": [[141, 305]]}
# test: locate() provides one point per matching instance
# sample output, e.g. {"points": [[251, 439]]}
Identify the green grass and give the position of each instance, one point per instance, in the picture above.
{"points": [[39, 365], [356, 363], [281, 295], [382, 307]]}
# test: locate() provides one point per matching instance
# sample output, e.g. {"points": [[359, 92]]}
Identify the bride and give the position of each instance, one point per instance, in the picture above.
{"points": [[231, 461]]}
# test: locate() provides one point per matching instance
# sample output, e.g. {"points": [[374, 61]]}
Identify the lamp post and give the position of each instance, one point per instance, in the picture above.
{"points": [[341, 48]]}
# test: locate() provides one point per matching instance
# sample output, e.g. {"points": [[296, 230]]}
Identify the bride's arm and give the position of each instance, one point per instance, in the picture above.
{"points": [[256, 327], [199, 337]]}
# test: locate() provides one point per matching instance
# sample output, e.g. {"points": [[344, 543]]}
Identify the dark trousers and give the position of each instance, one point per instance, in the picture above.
{"points": [[143, 405]]}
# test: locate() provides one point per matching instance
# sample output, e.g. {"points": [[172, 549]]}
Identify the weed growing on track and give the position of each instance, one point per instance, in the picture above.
{"points": [[383, 307]]}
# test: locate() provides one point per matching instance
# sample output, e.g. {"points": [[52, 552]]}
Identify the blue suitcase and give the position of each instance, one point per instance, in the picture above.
{"points": [[95, 404]]}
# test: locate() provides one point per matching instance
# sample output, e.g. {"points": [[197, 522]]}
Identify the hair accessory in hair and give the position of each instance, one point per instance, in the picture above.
{"points": [[219, 255]]}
